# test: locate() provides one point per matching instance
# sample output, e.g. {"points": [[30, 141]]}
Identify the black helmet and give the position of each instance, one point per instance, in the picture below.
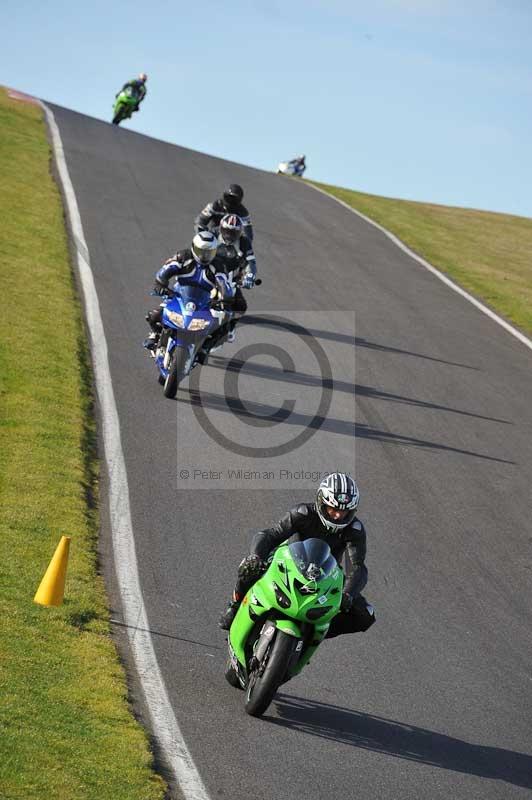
{"points": [[337, 501], [232, 197]]}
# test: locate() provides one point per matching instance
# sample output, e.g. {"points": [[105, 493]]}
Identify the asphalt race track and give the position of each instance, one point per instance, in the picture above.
{"points": [[435, 700]]}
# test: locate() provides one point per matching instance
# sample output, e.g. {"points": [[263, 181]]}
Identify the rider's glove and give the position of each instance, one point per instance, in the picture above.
{"points": [[347, 603], [251, 567], [159, 289], [248, 280]]}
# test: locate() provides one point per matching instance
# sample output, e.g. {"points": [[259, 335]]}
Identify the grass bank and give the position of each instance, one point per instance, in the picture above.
{"points": [[488, 254], [66, 730]]}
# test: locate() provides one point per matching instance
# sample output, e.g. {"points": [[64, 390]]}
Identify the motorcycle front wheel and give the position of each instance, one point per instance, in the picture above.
{"points": [[262, 688], [121, 115], [176, 373]]}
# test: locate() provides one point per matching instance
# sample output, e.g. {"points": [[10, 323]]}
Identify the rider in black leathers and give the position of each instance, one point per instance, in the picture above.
{"points": [[235, 252], [331, 518], [229, 203], [236, 259], [138, 85]]}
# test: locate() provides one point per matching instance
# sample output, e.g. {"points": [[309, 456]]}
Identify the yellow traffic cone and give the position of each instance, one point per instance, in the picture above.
{"points": [[52, 587]]}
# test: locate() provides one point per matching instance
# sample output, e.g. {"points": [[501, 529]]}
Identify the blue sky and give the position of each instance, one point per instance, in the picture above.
{"points": [[420, 99]]}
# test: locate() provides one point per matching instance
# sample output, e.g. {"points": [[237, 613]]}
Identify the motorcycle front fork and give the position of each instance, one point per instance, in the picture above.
{"points": [[308, 651]]}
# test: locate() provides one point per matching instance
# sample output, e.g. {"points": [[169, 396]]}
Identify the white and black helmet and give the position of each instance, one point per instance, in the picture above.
{"points": [[204, 245], [337, 501], [231, 228]]}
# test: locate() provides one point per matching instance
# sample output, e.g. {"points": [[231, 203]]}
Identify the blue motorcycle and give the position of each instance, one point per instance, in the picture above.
{"points": [[191, 315], [291, 168]]}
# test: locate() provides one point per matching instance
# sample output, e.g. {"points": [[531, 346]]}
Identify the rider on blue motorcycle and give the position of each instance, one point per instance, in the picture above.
{"points": [[138, 86], [332, 518], [195, 265], [298, 164]]}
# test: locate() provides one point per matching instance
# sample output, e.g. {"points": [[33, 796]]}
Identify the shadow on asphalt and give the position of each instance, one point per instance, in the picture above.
{"points": [[354, 341], [387, 736], [152, 632], [255, 411], [304, 379]]}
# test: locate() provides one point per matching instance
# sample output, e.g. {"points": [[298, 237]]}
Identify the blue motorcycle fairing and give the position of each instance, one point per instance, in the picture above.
{"points": [[192, 302], [200, 296]]}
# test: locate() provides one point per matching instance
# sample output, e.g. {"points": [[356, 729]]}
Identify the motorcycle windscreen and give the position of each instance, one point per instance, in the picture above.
{"points": [[194, 294], [313, 558]]}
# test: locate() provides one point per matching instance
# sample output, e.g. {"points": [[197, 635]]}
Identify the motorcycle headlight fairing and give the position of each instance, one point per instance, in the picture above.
{"points": [[198, 324], [283, 599], [176, 318], [316, 613]]}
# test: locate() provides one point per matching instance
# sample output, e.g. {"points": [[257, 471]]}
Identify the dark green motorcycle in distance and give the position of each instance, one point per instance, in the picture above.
{"points": [[282, 620], [126, 102]]}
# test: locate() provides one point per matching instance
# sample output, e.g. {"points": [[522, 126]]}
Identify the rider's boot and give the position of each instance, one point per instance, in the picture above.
{"points": [[226, 619], [151, 342], [231, 336]]}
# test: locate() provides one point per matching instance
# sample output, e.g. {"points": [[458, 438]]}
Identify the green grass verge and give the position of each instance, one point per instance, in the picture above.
{"points": [[488, 254], [66, 729]]}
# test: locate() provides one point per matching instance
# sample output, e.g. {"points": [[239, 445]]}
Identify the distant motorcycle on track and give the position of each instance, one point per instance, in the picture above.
{"points": [[291, 168], [282, 620], [126, 102]]}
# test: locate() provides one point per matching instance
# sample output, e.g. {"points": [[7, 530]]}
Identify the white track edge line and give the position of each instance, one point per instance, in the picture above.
{"points": [[165, 725], [485, 310]]}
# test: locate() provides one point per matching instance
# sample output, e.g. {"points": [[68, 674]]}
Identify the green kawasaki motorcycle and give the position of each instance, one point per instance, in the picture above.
{"points": [[282, 620], [125, 103]]}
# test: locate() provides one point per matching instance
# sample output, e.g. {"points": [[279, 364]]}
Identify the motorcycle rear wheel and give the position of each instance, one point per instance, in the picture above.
{"points": [[262, 688], [176, 373]]}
